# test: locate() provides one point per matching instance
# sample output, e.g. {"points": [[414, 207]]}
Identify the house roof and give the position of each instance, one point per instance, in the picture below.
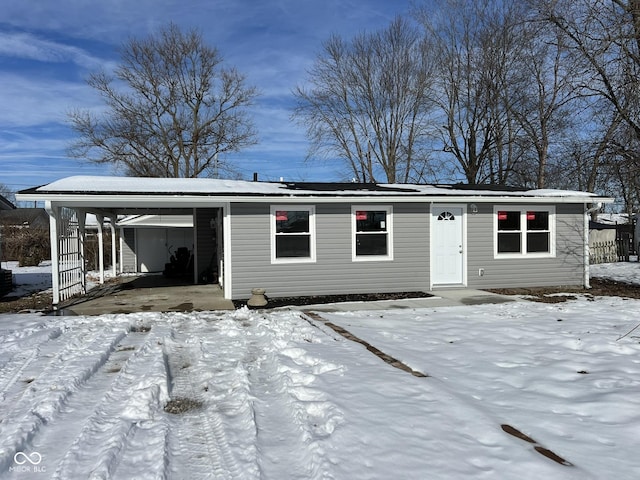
{"points": [[32, 217], [6, 204], [205, 186], [126, 193]]}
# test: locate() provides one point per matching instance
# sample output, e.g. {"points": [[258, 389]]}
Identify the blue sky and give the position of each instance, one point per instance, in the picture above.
{"points": [[47, 50]]}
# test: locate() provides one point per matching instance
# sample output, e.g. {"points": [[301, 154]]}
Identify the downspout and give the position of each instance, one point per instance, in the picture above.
{"points": [[587, 213]]}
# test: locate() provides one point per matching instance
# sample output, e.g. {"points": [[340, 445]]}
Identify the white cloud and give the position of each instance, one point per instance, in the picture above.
{"points": [[31, 47], [28, 100], [272, 42]]}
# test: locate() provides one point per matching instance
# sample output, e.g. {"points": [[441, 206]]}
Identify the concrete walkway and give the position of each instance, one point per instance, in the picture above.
{"points": [[440, 298], [157, 294]]}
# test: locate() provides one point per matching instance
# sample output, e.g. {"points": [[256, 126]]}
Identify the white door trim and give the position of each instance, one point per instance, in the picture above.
{"points": [[463, 274]]}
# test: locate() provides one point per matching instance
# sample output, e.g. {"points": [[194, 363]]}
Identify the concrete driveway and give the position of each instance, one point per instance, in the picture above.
{"points": [[152, 293]]}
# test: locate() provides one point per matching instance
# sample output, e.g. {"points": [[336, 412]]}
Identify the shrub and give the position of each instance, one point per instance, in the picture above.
{"points": [[28, 246]]}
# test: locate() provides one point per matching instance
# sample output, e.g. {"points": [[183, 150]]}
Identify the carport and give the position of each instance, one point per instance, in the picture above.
{"points": [[68, 201]]}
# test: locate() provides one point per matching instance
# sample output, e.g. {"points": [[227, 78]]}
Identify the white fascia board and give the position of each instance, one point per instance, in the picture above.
{"points": [[426, 199], [194, 201], [115, 201]]}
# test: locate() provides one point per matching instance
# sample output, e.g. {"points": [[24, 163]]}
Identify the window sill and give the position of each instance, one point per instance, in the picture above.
{"points": [[523, 256], [372, 258], [289, 261]]}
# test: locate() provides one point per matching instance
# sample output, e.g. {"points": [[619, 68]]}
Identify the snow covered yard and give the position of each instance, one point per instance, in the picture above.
{"points": [[275, 395]]}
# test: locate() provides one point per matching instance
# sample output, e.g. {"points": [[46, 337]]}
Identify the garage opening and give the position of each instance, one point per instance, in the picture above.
{"points": [[179, 246]]}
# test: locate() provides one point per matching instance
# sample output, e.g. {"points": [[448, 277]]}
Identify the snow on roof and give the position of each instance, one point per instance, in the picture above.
{"points": [[205, 186], [613, 218]]}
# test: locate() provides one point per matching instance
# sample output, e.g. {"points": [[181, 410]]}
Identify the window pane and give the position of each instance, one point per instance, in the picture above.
{"points": [[288, 246], [537, 220], [508, 220], [373, 244], [537, 242], [371, 221], [508, 243], [292, 221]]}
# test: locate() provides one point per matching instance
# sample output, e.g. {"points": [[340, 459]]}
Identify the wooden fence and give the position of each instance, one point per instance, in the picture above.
{"points": [[603, 252], [608, 245]]}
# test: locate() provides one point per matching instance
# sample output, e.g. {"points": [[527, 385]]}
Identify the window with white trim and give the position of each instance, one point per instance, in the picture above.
{"points": [[524, 231], [293, 233], [372, 232]]}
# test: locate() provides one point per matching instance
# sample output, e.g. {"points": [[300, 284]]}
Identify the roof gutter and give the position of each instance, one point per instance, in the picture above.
{"points": [[125, 199]]}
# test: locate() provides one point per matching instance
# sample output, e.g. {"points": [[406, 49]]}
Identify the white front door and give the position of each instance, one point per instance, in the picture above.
{"points": [[447, 247]]}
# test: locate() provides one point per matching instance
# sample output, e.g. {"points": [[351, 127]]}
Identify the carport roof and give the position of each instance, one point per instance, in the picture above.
{"points": [[181, 191]]}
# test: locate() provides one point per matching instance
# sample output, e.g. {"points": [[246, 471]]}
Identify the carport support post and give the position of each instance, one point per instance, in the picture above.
{"points": [[113, 245], [54, 220], [100, 219], [82, 217]]}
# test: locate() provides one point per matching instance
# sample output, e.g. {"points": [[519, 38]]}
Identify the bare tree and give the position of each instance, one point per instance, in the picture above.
{"points": [[544, 99], [171, 109], [604, 35], [367, 103], [603, 39], [474, 44]]}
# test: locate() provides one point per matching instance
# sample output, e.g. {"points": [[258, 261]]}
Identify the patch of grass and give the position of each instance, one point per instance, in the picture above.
{"points": [[179, 405], [140, 329]]}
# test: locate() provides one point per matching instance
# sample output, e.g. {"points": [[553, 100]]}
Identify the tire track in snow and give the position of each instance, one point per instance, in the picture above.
{"points": [[293, 418], [200, 443], [56, 437], [76, 362], [25, 352], [126, 431]]}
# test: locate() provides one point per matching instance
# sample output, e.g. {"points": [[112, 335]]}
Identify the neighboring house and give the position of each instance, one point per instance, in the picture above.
{"points": [[299, 239], [6, 204], [25, 217]]}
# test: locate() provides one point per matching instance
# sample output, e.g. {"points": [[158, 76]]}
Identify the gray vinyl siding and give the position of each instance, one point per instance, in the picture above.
{"points": [[334, 272], [566, 269], [128, 250]]}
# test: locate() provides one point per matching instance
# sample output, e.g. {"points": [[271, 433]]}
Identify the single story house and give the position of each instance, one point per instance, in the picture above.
{"points": [[298, 239]]}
